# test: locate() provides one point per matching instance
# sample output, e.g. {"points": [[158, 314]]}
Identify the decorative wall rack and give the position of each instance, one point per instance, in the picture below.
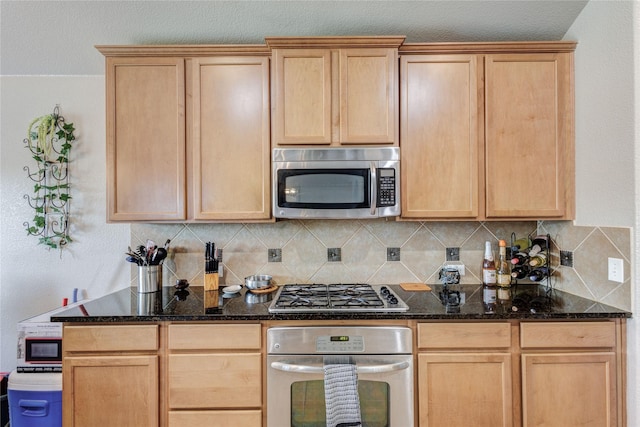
{"points": [[49, 140]]}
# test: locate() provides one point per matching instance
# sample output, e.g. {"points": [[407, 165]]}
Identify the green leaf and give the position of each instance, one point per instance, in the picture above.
{"points": [[39, 221]]}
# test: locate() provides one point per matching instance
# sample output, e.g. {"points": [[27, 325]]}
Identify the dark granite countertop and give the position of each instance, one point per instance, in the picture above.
{"points": [[127, 305]]}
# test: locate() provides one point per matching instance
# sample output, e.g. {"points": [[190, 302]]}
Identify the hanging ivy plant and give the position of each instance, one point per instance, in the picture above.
{"points": [[49, 139]]}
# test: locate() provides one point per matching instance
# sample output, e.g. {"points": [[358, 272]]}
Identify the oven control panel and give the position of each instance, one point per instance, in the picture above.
{"points": [[340, 344]]}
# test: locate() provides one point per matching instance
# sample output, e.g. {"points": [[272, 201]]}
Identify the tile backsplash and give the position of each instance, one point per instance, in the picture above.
{"points": [[591, 247], [382, 251]]}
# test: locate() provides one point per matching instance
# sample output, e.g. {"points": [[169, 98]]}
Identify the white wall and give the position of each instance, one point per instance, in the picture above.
{"points": [[35, 280], [607, 132], [604, 114]]}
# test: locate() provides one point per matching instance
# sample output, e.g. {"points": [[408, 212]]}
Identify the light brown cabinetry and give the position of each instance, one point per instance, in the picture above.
{"points": [[333, 90], [230, 138], [464, 374], [529, 134], [486, 134], [569, 374], [495, 373], [441, 140], [214, 375], [556, 373], [187, 133], [146, 143], [110, 375]]}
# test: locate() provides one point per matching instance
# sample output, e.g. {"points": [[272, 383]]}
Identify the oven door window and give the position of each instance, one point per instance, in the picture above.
{"points": [[324, 188], [308, 404]]}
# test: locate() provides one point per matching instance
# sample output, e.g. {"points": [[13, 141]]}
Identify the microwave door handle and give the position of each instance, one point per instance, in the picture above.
{"points": [[374, 188], [371, 369]]}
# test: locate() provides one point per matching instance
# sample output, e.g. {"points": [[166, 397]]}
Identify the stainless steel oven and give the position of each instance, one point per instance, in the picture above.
{"points": [[297, 358]]}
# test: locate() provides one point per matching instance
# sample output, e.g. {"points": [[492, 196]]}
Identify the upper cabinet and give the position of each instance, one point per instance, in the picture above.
{"points": [[146, 143], [230, 138], [529, 135], [335, 90], [487, 131], [440, 146], [188, 133]]}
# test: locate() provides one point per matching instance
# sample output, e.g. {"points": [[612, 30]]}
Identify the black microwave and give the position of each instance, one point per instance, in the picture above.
{"points": [[336, 182]]}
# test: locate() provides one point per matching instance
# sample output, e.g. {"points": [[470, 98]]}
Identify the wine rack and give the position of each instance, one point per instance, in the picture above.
{"points": [[534, 261]]}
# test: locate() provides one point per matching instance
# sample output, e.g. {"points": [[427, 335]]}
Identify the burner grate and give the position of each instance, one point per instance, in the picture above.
{"points": [[336, 297]]}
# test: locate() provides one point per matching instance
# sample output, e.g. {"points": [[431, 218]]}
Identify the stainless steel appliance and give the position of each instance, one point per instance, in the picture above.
{"points": [[337, 297], [296, 358], [336, 182]]}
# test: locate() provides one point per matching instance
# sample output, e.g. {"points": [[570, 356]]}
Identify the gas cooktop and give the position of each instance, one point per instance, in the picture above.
{"points": [[301, 298]]}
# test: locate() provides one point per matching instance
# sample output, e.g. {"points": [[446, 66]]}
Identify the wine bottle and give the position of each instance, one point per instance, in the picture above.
{"points": [[538, 259], [520, 271], [489, 295], [519, 258], [503, 272], [488, 266], [538, 274]]}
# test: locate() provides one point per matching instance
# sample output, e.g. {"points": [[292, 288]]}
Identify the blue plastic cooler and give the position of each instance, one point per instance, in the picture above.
{"points": [[35, 399]]}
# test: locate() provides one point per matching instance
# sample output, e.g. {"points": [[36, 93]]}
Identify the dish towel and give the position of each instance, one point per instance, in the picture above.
{"points": [[341, 392]]}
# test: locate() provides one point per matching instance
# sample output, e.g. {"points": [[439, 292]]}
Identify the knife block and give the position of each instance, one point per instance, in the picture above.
{"points": [[211, 301], [211, 281]]}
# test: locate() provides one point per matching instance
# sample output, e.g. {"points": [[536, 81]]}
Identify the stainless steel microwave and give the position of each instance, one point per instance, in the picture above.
{"points": [[336, 182]]}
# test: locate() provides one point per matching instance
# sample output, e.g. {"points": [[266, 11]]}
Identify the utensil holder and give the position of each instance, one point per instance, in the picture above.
{"points": [[149, 278], [149, 303]]}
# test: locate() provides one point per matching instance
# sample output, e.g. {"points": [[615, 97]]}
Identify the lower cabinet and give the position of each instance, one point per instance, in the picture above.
{"points": [[214, 375], [569, 374], [464, 375], [110, 376], [528, 373], [482, 373]]}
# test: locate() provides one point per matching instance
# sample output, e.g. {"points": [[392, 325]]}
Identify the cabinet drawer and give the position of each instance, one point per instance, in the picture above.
{"points": [[229, 380], [111, 338], [464, 335], [567, 334], [215, 418], [214, 337]]}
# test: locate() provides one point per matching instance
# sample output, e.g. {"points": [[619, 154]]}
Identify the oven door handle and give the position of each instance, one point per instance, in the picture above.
{"points": [[371, 369]]}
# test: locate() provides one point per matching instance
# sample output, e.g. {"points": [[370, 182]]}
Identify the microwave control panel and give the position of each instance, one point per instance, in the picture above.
{"points": [[386, 187]]}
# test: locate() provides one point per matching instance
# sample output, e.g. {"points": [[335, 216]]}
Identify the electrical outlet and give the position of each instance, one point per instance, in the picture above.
{"points": [[616, 270], [456, 265]]}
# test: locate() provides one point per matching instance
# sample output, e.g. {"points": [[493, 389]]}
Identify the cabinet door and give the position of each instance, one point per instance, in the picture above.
{"points": [[302, 98], [231, 146], [560, 390], [440, 136], [368, 96], [463, 389], [110, 390], [529, 136], [145, 139]]}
